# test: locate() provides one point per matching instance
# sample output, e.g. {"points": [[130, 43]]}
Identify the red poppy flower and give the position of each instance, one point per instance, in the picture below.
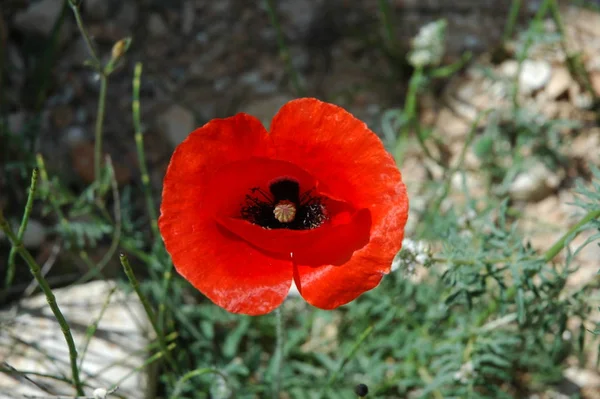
{"points": [[317, 200]]}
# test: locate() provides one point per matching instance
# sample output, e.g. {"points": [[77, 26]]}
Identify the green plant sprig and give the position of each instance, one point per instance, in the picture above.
{"points": [[50, 298], [151, 316], [10, 272]]}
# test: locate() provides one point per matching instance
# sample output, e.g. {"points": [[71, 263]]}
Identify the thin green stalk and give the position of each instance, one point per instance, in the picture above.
{"points": [[88, 42], [349, 356], [388, 27], [91, 330], [412, 122], [279, 343], [116, 238], [513, 14], [151, 316], [103, 73], [148, 362], [147, 349], [560, 244], [191, 374], [25, 373], [50, 298], [541, 12], [428, 379], [574, 62], [459, 165], [283, 50], [139, 144], [99, 126], [167, 278], [10, 272], [548, 255]]}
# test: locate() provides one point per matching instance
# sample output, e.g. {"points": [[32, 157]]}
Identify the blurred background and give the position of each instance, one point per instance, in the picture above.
{"points": [[504, 91]]}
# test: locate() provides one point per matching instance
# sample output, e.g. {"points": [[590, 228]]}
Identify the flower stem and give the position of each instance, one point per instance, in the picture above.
{"points": [[139, 144], [75, 7], [513, 14], [541, 12], [98, 129], [159, 334], [548, 255], [283, 50], [574, 62], [279, 338], [346, 359], [50, 298], [559, 245], [10, 272], [194, 373]]}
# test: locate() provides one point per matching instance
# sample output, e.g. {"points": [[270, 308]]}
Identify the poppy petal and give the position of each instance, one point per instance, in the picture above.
{"points": [[333, 243], [341, 152], [234, 181], [229, 271]]}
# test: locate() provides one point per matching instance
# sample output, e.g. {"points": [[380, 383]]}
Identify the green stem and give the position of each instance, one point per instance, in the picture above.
{"points": [[98, 129], [139, 143], [159, 334], [191, 374], [283, 50], [541, 12], [91, 330], [162, 307], [459, 165], [548, 255], [346, 359], [279, 341], [97, 269], [144, 365], [10, 272], [388, 27], [560, 244], [513, 14], [88, 42], [574, 63], [50, 298]]}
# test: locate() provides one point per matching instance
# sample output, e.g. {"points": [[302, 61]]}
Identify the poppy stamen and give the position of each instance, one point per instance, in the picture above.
{"points": [[285, 208]]}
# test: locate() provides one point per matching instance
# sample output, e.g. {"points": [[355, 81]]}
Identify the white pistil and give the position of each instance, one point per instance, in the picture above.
{"points": [[285, 211]]}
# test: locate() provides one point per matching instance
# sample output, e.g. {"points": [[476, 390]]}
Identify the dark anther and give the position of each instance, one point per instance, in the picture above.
{"points": [[284, 207], [361, 390], [285, 189]]}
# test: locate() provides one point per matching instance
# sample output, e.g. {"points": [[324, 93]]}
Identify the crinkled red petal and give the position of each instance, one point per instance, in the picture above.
{"points": [[232, 273], [349, 159], [334, 242]]}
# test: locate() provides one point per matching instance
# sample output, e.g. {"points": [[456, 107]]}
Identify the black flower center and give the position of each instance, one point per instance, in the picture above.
{"points": [[284, 207]]}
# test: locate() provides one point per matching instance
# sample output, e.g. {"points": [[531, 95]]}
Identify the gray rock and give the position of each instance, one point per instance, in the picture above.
{"points": [[176, 123], [534, 75], [96, 9], [535, 183], [559, 83], [16, 123], [39, 17], [266, 108], [35, 234], [188, 15], [298, 16], [127, 16], [32, 341], [157, 26]]}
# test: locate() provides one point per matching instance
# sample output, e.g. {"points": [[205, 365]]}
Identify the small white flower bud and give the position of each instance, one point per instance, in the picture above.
{"points": [[100, 393]]}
